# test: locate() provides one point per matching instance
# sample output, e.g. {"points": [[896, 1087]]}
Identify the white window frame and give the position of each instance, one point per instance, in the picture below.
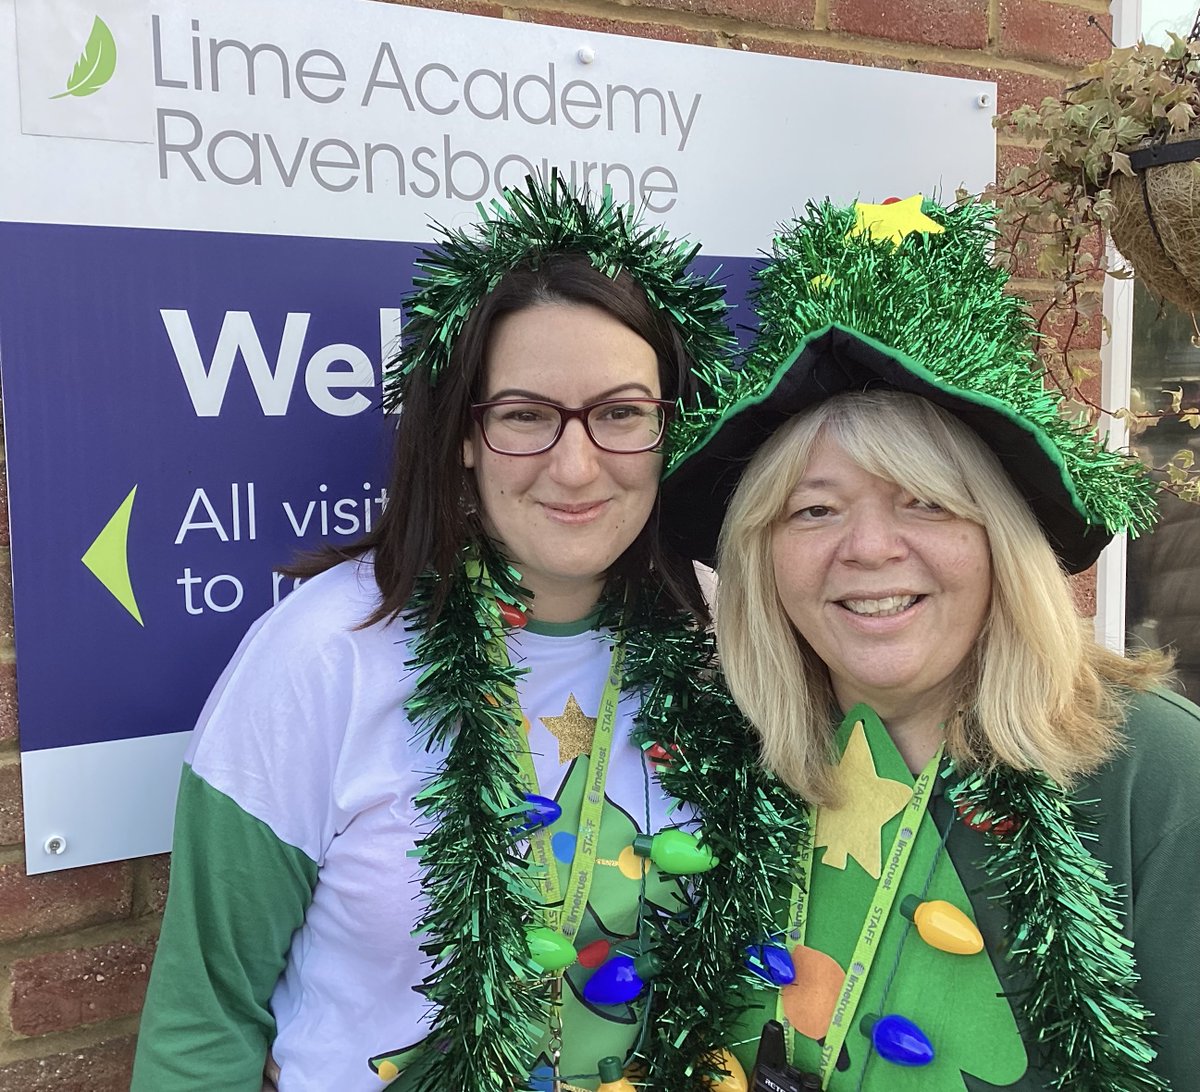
{"points": [[1116, 369]]}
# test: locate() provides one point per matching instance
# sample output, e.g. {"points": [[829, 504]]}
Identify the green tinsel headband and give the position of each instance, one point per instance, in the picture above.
{"points": [[905, 296], [523, 228]]}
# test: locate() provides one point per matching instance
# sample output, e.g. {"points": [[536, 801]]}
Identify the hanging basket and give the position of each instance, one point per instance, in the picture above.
{"points": [[1156, 218]]}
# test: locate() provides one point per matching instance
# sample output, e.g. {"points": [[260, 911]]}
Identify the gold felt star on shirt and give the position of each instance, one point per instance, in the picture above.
{"points": [[867, 802], [573, 729], [894, 220]]}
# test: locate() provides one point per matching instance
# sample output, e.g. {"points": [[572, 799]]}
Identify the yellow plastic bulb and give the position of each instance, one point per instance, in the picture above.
{"points": [[943, 926], [612, 1078], [736, 1080], [621, 1085]]}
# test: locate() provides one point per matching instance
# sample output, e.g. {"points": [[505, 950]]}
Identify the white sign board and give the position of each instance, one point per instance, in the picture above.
{"points": [[209, 214]]}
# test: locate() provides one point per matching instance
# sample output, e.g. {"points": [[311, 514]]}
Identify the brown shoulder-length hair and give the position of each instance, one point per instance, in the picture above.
{"points": [[431, 510], [1037, 691]]}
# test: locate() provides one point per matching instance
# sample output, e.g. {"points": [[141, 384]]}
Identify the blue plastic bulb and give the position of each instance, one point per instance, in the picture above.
{"points": [[898, 1040], [621, 979], [540, 811], [771, 962]]}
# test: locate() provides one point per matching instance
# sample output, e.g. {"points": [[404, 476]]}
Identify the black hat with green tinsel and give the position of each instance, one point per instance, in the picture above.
{"points": [[904, 296]]}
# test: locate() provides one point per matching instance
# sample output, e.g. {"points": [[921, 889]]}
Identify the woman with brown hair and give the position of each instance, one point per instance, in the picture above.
{"points": [[413, 825]]}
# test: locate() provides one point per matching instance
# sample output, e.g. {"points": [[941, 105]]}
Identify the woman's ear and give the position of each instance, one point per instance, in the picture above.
{"points": [[468, 453]]}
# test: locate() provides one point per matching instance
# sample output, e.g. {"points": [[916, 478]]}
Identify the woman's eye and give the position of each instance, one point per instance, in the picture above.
{"points": [[623, 413], [927, 506], [812, 511], [525, 416]]}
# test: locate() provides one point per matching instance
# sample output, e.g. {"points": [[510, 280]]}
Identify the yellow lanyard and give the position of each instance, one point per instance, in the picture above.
{"points": [[855, 981], [566, 914]]}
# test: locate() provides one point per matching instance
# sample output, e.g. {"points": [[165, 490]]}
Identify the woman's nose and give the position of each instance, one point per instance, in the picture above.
{"points": [[574, 459], [872, 538]]}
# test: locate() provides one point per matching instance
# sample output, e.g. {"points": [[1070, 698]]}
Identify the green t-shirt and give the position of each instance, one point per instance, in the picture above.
{"points": [[1145, 804]]}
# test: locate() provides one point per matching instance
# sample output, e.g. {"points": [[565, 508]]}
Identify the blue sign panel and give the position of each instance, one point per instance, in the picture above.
{"points": [[174, 440]]}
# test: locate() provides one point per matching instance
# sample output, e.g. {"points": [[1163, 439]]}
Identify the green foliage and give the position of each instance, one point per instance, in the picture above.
{"points": [[1057, 205], [1086, 134], [1083, 138]]}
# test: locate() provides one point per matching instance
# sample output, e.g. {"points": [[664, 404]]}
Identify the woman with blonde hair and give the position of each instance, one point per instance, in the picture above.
{"points": [[998, 884]]}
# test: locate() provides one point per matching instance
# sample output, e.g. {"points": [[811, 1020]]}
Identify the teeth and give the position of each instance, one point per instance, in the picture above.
{"points": [[880, 608]]}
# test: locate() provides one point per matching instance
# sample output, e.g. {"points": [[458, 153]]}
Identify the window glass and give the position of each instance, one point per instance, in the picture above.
{"points": [[1160, 17], [1163, 575], [1163, 568]]}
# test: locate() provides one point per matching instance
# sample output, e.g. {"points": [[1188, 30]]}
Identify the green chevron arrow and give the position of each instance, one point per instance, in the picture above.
{"points": [[108, 557]]}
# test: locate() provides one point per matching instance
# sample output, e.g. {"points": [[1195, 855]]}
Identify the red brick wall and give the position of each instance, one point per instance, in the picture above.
{"points": [[75, 946]]}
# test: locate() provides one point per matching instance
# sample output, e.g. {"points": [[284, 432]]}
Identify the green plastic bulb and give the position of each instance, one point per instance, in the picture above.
{"points": [[549, 949], [675, 851]]}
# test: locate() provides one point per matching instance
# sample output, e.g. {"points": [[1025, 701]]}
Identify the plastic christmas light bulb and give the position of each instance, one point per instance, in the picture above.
{"points": [[612, 1076], [549, 949], [540, 811], [675, 851], [661, 755], [621, 979], [897, 1040], [772, 963], [513, 617], [735, 1078], [943, 926]]}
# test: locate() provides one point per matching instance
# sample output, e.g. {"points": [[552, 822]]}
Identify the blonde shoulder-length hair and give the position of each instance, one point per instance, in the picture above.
{"points": [[1037, 692]]}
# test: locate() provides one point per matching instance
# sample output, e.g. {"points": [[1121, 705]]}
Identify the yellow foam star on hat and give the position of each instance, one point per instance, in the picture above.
{"points": [[894, 220]]}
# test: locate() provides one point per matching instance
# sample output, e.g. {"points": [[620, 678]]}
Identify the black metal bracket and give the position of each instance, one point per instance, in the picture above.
{"points": [[1158, 155]]}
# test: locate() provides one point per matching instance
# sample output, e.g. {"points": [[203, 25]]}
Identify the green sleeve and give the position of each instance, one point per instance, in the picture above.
{"points": [[1166, 941], [1165, 879], [237, 895]]}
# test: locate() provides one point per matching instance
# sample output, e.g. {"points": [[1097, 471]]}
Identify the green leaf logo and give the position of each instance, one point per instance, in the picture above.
{"points": [[96, 63]]}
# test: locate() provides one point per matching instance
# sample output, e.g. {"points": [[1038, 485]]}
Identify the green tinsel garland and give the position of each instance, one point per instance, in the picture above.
{"points": [[544, 220], [490, 1003], [489, 1000], [752, 823], [1063, 934]]}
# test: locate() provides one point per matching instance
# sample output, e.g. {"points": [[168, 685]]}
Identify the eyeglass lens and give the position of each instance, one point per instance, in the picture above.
{"points": [[522, 428]]}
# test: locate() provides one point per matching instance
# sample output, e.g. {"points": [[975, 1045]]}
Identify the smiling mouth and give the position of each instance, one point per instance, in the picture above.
{"points": [[880, 608], [574, 513]]}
